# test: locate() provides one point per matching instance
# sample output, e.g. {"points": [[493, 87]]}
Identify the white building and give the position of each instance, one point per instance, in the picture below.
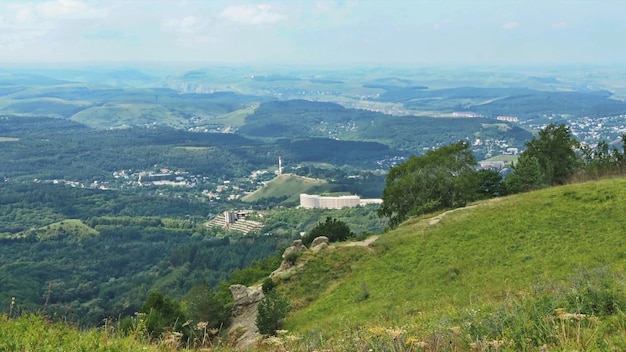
{"points": [[310, 201]]}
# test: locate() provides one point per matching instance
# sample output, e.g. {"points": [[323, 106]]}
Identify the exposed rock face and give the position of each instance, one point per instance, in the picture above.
{"points": [[296, 247], [243, 317], [319, 243]]}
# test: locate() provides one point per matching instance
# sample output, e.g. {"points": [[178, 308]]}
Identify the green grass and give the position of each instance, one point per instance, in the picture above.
{"points": [[36, 333], [537, 271], [236, 118], [509, 254], [70, 227], [506, 158], [116, 115], [284, 185]]}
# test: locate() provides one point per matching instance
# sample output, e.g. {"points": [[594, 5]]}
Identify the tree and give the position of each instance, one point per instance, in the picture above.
{"points": [[335, 230], [272, 309], [206, 305], [489, 184], [527, 175], [162, 313], [555, 150], [439, 179], [604, 160]]}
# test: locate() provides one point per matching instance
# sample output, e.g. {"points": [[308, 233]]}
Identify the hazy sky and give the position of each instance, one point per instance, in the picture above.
{"points": [[408, 32]]}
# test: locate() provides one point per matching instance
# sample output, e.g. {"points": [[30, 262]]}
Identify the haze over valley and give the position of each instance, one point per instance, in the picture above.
{"points": [[330, 175]]}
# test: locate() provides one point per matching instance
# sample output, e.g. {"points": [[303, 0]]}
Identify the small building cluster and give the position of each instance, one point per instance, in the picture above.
{"points": [[236, 221], [507, 118]]}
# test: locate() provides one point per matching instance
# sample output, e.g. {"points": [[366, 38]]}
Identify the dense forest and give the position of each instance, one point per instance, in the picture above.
{"points": [[48, 148], [87, 276], [87, 254]]}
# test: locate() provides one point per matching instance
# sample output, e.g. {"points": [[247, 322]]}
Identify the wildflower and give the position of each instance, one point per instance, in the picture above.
{"points": [[563, 315], [292, 338], [273, 341], [415, 342], [395, 333], [456, 330]]}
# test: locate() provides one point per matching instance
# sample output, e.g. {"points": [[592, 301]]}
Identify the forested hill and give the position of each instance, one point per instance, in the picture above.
{"points": [[51, 148], [299, 118]]}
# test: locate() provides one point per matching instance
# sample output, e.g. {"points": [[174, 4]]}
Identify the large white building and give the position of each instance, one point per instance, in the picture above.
{"points": [[310, 201]]}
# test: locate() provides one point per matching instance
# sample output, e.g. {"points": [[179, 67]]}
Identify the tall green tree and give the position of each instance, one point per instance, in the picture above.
{"points": [[490, 184], [439, 179], [556, 151], [206, 305], [527, 175]]}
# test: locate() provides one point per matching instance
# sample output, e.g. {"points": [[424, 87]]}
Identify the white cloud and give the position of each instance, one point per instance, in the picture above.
{"points": [[68, 9], [251, 14], [189, 30], [184, 25], [559, 25], [24, 15], [510, 25]]}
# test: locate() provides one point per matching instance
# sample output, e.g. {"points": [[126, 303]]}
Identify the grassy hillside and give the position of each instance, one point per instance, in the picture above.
{"points": [[70, 228], [289, 186], [236, 118], [36, 333], [541, 271], [518, 273], [127, 115]]}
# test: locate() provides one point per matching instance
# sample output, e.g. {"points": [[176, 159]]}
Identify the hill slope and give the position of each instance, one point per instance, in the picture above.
{"points": [[524, 271], [285, 186]]}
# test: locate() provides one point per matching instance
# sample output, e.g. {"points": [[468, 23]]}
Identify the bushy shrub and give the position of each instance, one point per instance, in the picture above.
{"points": [[272, 310], [335, 230], [162, 313], [268, 285]]}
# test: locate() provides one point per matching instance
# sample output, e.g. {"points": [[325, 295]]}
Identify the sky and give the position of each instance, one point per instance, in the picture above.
{"points": [[304, 32]]}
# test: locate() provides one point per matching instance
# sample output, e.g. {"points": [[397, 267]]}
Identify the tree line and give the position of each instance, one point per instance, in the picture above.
{"points": [[448, 177]]}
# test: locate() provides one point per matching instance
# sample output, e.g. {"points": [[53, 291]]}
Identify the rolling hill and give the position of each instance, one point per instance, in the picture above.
{"points": [[288, 188], [541, 270]]}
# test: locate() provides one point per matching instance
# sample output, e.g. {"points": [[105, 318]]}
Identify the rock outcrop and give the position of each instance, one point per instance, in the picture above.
{"points": [[319, 243], [288, 258], [242, 328], [296, 247]]}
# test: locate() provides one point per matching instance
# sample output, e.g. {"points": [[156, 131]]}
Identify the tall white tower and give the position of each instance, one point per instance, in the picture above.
{"points": [[280, 165]]}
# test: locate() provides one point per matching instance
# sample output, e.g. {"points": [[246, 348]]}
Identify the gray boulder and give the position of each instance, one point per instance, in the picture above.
{"points": [[319, 243]]}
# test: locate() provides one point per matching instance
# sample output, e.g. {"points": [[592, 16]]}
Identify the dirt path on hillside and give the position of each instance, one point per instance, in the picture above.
{"points": [[435, 220], [431, 221], [366, 242]]}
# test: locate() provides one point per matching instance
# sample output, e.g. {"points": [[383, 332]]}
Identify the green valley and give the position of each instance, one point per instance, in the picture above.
{"points": [[120, 197]]}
